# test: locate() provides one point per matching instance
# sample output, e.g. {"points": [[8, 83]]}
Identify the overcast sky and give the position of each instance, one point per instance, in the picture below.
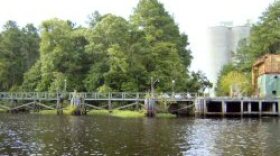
{"points": [[192, 16]]}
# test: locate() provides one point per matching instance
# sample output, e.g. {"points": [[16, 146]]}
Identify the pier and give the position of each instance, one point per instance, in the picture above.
{"points": [[176, 103], [237, 107]]}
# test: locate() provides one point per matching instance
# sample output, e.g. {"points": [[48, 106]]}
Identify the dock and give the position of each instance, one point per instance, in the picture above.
{"points": [[237, 107], [176, 103]]}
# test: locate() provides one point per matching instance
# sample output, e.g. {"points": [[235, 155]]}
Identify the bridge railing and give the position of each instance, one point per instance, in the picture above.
{"points": [[94, 95], [113, 95]]}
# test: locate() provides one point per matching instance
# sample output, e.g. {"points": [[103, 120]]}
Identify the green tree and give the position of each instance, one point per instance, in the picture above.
{"points": [[108, 51], [237, 80], [163, 51], [198, 82], [19, 49], [61, 58]]}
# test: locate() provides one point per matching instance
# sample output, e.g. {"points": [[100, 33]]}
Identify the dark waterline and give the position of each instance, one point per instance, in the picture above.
{"points": [[26, 134]]}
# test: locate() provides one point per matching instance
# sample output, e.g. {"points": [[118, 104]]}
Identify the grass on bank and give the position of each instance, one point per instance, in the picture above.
{"points": [[118, 113], [114, 113], [128, 114], [3, 110], [67, 111], [46, 112]]}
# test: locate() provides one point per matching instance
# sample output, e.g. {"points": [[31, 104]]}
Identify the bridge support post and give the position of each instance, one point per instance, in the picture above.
{"points": [[249, 108], [83, 108], [109, 105], [151, 108], [204, 107], [241, 108], [224, 108], [260, 108], [274, 107], [59, 101]]}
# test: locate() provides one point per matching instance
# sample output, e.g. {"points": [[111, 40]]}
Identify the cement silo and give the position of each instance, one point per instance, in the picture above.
{"points": [[223, 44], [238, 33], [219, 49]]}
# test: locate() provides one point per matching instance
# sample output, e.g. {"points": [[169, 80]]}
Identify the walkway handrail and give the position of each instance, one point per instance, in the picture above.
{"points": [[94, 95]]}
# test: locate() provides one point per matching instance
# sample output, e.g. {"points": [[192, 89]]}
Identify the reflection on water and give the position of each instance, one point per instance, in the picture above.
{"points": [[69, 135]]}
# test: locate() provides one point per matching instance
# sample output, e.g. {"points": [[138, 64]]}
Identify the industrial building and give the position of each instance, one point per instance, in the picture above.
{"points": [[266, 76], [223, 44]]}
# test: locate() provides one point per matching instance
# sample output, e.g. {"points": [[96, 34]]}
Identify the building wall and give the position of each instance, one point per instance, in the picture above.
{"points": [[269, 85]]}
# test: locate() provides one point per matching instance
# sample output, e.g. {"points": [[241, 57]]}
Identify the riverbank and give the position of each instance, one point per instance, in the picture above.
{"points": [[114, 113]]}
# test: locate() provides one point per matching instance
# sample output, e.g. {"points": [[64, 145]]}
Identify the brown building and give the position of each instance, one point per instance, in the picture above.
{"points": [[266, 75]]}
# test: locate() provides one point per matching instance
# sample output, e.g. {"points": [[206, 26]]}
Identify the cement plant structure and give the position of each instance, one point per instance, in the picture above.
{"points": [[223, 44]]}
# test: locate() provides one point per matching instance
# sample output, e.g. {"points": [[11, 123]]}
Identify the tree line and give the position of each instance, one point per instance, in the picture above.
{"points": [[110, 54]]}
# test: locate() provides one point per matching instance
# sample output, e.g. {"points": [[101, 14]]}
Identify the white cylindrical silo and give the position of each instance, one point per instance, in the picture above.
{"points": [[238, 33], [219, 49]]}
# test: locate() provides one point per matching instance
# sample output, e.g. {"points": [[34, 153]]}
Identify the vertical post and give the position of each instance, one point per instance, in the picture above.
{"points": [[137, 101], [273, 107], [37, 95], [278, 108], [58, 105], [224, 107], [241, 108], [109, 102], [249, 107], [260, 108], [204, 107], [83, 104]]}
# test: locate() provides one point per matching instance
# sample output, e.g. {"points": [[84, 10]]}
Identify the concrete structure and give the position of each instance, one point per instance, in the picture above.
{"points": [[237, 107], [223, 44], [266, 76]]}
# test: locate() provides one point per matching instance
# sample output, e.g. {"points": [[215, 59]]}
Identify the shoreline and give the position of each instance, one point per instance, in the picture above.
{"points": [[113, 113]]}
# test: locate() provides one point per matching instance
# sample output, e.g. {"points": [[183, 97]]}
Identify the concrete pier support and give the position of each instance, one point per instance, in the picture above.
{"points": [[260, 108], [249, 107], [204, 107], [278, 104], [241, 108], [224, 107], [274, 107]]}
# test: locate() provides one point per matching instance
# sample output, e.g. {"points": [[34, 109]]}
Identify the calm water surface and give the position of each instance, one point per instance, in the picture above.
{"points": [[88, 135]]}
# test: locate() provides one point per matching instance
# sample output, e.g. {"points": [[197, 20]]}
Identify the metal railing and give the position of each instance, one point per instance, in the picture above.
{"points": [[94, 95]]}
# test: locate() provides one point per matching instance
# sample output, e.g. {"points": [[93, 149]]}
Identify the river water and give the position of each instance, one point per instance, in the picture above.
{"points": [[27, 134]]}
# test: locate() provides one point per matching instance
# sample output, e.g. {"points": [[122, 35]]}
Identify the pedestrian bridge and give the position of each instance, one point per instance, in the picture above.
{"points": [[91, 100], [114, 96]]}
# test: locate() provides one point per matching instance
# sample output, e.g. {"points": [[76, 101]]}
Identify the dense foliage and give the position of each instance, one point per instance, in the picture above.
{"points": [[112, 54], [19, 49], [264, 39]]}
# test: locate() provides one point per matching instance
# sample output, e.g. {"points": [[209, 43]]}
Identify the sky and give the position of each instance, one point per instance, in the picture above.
{"points": [[192, 16]]}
